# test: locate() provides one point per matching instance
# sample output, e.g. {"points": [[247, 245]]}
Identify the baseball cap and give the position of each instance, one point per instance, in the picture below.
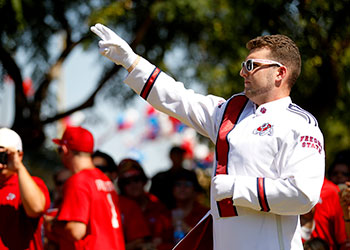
{"points": [[9, 138], [77, 138]]}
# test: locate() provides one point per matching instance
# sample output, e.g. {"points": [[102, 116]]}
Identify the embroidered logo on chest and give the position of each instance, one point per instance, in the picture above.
{"points": [[265, 129], [10, 196]]}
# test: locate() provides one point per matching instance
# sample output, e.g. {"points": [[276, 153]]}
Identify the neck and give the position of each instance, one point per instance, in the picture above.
{"points": [[79, 163], [261, 100]]}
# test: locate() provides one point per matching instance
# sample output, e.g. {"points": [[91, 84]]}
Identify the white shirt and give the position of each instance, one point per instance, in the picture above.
{"points": [[277, 142]]}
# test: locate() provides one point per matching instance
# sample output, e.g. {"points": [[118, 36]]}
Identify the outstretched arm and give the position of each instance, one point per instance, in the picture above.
{"points": [[160, 90]]}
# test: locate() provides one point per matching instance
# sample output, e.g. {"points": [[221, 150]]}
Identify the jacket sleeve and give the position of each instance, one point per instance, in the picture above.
{"points": [[301, 165], [171, 97]]}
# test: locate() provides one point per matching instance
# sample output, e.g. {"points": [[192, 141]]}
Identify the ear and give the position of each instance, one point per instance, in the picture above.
{"points": [[65, 149], [280, 75], [20, 154]]}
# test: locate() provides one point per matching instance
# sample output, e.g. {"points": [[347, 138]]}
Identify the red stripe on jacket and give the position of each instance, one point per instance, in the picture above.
{"points": [[149, 84], [232, 112], [262, 195]]}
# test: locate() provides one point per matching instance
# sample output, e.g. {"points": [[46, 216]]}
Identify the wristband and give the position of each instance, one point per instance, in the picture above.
{"points": [[134, 64]]}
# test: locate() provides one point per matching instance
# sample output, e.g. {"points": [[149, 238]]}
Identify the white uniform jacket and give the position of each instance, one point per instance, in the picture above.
{"points": [[274, 151]]}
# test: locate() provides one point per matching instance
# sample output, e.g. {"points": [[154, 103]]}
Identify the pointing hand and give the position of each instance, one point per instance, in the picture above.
{"points": [[114, 47]]}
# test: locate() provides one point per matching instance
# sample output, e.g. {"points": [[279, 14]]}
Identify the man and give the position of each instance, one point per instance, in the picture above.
{"points": [[339, 170], [162, 182], [23, 198], [88, 217], [269, 164], [106, 164]]}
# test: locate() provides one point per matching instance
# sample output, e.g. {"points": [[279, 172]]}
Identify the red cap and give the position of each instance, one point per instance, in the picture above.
{"points": [[78, 139]]}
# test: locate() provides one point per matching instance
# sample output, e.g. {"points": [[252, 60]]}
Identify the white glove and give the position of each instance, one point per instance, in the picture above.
{"points": [[113, 46], [223, 186]]}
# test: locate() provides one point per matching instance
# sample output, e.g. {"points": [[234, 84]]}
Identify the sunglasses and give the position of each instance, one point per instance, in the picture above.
{"points": [[252, 64]]}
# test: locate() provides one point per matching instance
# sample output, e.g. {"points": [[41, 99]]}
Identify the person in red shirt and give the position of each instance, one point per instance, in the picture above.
{"points": [[131, 183], [136, 232], [88, 217], [23, 198], [339, 171], [325, 221]]}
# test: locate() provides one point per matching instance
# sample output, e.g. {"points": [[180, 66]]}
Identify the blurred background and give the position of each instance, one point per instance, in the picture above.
{"points": [[52, 75]]}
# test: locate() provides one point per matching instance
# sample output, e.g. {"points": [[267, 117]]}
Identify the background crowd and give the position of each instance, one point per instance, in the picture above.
{"points": [[147, 213]]}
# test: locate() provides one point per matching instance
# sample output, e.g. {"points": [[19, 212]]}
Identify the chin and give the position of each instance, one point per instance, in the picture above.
{"points": [[248, 93]]}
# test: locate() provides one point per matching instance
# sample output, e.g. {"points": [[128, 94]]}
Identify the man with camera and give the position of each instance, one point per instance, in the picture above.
{"points": [[23, 198]]}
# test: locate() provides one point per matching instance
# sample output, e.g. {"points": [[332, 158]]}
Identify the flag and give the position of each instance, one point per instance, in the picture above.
{"points": [[152, 121], [200, 237]]}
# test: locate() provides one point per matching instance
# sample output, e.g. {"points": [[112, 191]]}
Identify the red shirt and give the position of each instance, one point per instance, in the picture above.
{"points": [[159, 222], [158, 218], [90, 197], [328, 217], [17, 230], [134, 223], [197, 213]]}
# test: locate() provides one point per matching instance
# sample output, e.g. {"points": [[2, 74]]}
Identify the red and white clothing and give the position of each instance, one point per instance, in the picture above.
{"points": [[90, 197], [17, 230], [274, 152], [328, 218]]}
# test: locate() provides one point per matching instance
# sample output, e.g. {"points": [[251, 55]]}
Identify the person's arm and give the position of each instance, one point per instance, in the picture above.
{"points": [[74, 214], [32, 197], [71, 230], [160, 90]]}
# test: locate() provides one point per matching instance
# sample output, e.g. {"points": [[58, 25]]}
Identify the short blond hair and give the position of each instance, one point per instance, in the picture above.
{"points": [[282, 49]]}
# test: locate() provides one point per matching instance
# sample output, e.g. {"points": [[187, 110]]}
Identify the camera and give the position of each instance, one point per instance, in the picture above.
{"points": [[3, 157]]}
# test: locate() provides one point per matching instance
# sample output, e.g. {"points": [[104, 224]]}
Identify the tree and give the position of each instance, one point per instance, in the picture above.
{"points": [[211, 33]]}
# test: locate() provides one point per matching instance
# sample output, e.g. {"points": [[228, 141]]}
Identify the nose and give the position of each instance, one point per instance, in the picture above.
{"points": [[243, 72]]}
